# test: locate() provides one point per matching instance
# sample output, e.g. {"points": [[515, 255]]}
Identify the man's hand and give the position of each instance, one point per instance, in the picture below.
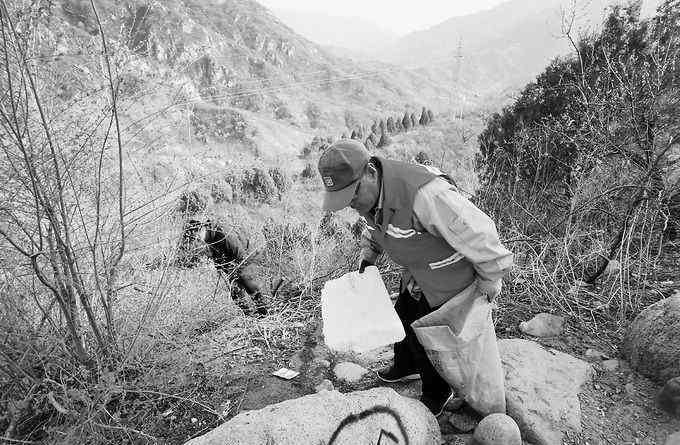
{"points": [[490, 288], [364, 264]]}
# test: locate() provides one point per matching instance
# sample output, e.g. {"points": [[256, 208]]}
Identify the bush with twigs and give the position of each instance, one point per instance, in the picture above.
{"points": [[581, 171], [64, 229]]}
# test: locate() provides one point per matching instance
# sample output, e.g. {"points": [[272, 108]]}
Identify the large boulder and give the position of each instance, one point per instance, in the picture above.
{"points": [[541, 390], [673, 439], [331, 417], [668, 398], [652, 342]]}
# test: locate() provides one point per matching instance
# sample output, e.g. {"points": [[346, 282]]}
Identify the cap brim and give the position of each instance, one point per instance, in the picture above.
{"points": [[338, 200]]}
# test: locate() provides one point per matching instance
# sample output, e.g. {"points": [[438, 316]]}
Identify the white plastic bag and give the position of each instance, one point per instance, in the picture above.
{"points": [[460, 341], [357, 313]]}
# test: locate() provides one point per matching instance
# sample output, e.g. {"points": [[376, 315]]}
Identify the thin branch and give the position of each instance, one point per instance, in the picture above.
{"points": [[114, 108]]}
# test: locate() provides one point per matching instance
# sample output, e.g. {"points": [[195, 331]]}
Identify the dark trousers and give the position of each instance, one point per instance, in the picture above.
{"points": [[245, 282], [245, 277], [409, 354]]}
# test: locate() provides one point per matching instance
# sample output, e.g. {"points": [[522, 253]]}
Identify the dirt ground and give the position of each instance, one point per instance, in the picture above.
{"points": [[617, 406]]}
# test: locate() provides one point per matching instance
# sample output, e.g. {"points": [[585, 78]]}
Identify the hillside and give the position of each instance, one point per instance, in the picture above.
{"points": [[349, 33], [234, 54], [503, 47], [144, 144]]}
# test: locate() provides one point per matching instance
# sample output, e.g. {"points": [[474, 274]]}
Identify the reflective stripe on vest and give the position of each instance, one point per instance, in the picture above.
{"points": [[439, 270]]}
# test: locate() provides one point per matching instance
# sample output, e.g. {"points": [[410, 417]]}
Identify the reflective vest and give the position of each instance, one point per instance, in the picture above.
{"points": [[438, 269]]}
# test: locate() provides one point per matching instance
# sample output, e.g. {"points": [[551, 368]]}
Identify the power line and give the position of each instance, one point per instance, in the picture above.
{"points": [[281, 87]]}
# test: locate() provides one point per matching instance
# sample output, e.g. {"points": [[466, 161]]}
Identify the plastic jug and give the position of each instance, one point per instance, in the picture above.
{"points": [[357, 313]]}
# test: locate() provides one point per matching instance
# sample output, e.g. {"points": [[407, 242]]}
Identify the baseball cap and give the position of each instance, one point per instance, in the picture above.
{"points": [[341, 165]]}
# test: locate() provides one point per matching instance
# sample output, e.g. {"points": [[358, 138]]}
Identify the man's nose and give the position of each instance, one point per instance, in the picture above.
{"points": [[353, 203]]}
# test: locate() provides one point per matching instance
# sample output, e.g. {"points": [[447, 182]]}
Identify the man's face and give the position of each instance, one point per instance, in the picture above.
{"points": [[367, 192]]}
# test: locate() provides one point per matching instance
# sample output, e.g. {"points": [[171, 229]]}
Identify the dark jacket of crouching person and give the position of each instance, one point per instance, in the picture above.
{"points": [[229, 252]]}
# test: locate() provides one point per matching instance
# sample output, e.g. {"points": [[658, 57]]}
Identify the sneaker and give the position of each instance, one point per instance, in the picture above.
{"points": [[392, 375], [244, 307], [437, 402], [260, 304], [261, 310]]}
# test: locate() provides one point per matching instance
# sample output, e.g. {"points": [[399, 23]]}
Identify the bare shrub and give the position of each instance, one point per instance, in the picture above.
{"points": [[358, 228], [317, 144], [281, 110], [309, 172], [242, 96], [423, 158], [191, 202], [581, 168], [329, 227], [219, 125], [221, 192], [257, 183], [281, 180], [309, 254], [64, 228], [350, 119]]}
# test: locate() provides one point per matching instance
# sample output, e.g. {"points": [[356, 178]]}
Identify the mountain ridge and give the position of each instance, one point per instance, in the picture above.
{"points": [[504, 46]]}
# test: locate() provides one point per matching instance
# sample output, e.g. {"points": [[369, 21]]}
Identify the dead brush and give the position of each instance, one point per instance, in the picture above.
{"points": [[567, 274]]}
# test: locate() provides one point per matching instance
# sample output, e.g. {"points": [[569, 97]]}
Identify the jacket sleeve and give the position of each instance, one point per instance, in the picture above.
{"points": [[444, 212], [370, 249]]}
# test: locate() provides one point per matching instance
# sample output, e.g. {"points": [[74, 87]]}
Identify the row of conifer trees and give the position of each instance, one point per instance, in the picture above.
{"points": [[378, 135]]}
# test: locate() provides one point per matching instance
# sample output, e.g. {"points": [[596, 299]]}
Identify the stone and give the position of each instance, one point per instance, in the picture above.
{"points": [[349, 372], [325, 385], [463, 422], [613, 267], [314, 419], [322, 363], [651, 342], [296, 361], [541, 389], [610, 365], [456, 439], [543, 325], [444, 426], [497, 429], [668, 398], [595, 354], [673, 439], [374, 356]]}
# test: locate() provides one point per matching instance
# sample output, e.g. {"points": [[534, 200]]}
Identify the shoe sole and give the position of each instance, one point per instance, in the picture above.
{"points": [[406, 378], [444, 404]]}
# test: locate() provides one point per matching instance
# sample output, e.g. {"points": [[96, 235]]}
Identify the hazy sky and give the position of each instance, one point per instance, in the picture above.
{"points": [[400, 16]]}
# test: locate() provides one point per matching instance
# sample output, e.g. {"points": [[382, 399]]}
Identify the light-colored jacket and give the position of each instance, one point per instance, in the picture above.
{"points": [[442, 211]]}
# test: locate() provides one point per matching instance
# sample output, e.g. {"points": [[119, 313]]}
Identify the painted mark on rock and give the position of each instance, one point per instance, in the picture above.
{"points": [[378, 409]]}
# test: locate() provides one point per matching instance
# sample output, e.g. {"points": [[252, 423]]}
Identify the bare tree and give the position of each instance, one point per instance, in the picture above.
{"points": [[62, 218]]}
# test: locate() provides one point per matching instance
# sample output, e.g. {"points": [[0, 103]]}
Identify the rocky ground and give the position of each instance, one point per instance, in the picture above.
{"points": [[616, 404]]}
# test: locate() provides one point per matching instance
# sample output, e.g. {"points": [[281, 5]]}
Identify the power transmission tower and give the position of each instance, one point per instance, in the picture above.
{"points": [[457, 67]]}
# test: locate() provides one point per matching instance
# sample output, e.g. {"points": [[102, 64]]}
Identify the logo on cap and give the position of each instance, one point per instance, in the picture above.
{"points": [[328, 181]]}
